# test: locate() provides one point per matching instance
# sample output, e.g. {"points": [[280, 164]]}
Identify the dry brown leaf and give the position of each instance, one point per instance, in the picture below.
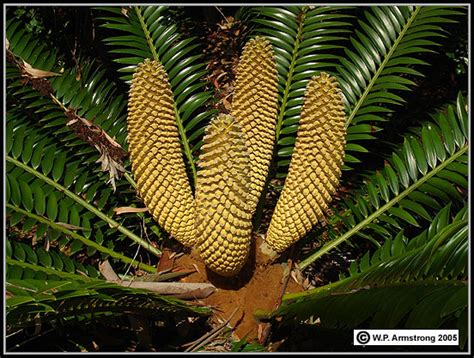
{"points": [[36, 73], [111, 153], [307, 284], [128, 209], [166, 260], [109, 164], [46, 244], [181, 290], [204, 290], [297, 276], [260, 329], [197, 268], [107, 271], [227, 104], [177, 289]]}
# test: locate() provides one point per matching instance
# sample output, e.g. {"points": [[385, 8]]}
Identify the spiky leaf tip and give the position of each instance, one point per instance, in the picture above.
{"points": [[224, 219], [315, 167], [155, 152]]}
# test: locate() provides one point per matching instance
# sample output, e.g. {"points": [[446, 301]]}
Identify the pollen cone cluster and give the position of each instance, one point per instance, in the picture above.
{"points": [[315, 167], [223, 217], [254, 106], [155, 152]]}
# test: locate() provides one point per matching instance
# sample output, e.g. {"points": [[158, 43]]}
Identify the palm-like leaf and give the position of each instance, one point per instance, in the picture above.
{"points": [[19, 192], [63, 233], [65, 158], [31, 299], [418, 178], [32, 190], [401, 244], [419, 284], [385, 48], [26, 262], [87, 91], [147, 33]]}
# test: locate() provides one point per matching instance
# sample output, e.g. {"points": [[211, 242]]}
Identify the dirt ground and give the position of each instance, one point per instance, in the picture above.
{"points": [[258, 286]]}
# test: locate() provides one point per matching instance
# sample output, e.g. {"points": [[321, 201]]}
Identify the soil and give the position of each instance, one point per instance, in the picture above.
{"points": [[257, 287]]}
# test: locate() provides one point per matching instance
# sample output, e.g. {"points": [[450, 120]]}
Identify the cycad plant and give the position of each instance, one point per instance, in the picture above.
{"points": [[234, 162], [314, 88]]}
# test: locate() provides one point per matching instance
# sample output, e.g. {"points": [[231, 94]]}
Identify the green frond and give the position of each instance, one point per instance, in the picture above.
{"points": [[428, 170], [29, 300], [30, 172], [65, 233], [37, 149], [38, 136], [401, 244], [27, 262], [418, 286], [88, 93], [29, 48], [383, 57], [33, 190], [304, 40]]}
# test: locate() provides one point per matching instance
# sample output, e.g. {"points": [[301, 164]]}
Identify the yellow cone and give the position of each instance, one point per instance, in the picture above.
{"points": [[223, 217], [255, 105], [155, 152], [315, 167]]}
